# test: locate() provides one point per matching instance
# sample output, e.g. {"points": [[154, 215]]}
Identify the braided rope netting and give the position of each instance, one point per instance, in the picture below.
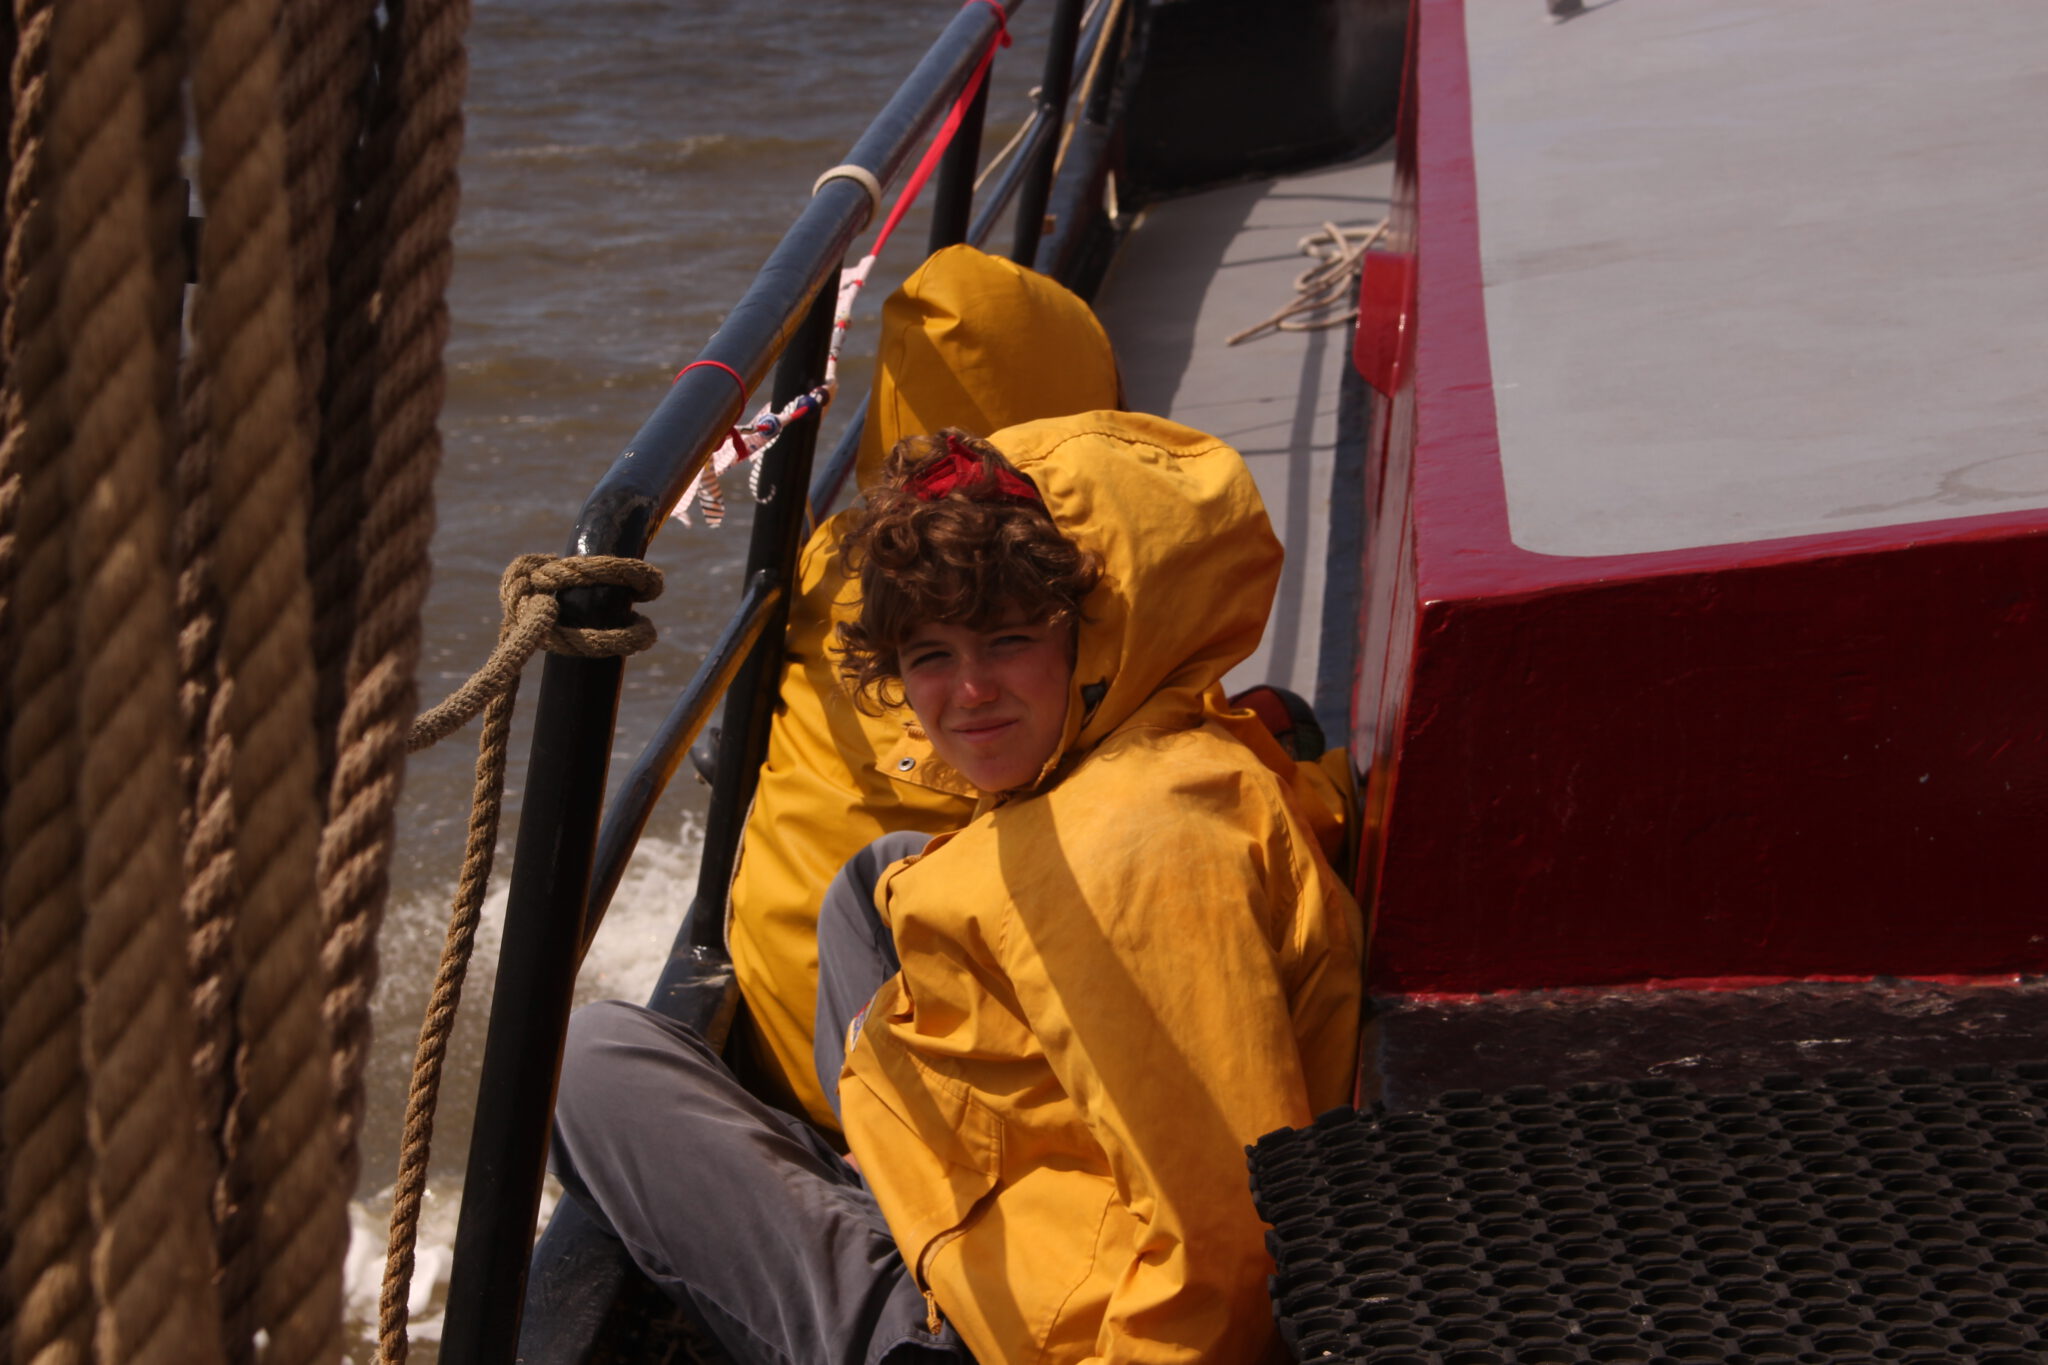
{"points": [[195, 669]]}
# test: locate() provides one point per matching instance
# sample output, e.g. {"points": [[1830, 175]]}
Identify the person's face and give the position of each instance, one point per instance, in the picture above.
{"points": [[992, 701]]}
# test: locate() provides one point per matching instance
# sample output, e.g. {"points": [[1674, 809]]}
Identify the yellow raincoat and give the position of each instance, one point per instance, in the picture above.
{"points": [[970, 340], [1112, 984]]}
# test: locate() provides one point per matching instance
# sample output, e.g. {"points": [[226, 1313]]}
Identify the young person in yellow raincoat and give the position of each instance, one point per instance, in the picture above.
{"points": [[1060, 1023]]}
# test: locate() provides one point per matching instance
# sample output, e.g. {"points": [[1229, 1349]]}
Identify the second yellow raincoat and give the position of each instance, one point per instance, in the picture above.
{"points": [[1113, 982]]}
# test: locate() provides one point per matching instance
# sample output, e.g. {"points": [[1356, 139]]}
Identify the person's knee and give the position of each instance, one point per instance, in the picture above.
{"points": [[889, 848], [848, 906], [610, 1043], [597, 1029]]}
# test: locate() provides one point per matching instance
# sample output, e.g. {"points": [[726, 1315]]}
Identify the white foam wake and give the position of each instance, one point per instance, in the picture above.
{"points": [[624, 962]]}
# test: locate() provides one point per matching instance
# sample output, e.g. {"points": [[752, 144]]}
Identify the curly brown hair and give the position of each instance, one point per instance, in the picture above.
{"points": [[979, 552]]}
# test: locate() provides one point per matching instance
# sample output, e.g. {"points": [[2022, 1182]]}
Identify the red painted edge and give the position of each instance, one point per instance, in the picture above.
{"points": [[1714, 984], [1386, 303]]}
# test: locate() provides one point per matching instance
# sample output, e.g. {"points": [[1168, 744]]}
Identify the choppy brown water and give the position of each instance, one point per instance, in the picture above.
{"points": [[628, 166]]}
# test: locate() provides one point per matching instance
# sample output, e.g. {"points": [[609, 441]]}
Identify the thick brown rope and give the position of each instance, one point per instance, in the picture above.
{"points": [[10, 497], [151, 1262], [210, 889], [163, 71], [527, 594], [243, 331], [9, 506], [26, 56], [10, 500], [321, 273], [42, 1083], [327, 64], [427, 83], [342, 457]]}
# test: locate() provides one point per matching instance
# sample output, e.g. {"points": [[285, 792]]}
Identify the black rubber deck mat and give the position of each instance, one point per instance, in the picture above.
{"points": [[1887, 1217]]}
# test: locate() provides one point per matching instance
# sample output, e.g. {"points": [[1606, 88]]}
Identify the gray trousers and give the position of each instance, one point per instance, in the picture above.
{"points": [[742, 1212]]}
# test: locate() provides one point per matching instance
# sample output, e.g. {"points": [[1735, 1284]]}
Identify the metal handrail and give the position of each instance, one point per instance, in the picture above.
{"points": [[1043, 156]]}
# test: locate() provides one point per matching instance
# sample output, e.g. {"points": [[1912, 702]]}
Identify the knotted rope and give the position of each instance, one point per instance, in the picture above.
{"points": [[530, 622], [749, 441]]}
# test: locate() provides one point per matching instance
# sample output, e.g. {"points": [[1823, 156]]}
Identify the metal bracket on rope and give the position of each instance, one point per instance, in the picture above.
{"points": [[528, 593], [859, 175]]}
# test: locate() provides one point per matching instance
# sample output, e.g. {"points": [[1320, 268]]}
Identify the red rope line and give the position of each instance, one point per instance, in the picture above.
{"points": [[1002, 18], [732, 434], [708, 487], [737, 378], [915, 184]]}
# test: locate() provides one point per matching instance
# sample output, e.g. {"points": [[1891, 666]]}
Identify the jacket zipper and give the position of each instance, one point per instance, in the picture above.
{"points": [[932, 1321]]}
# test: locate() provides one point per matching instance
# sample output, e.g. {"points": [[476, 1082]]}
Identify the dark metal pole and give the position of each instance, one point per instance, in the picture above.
{"points": [[825, 483], [999, 193], [953, 196], [572, 740], [750, 704], [1053, 89]]}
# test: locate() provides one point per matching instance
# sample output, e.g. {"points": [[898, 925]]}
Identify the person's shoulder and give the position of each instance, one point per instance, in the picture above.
{"points": [[1162, 758], [1147, 794]]}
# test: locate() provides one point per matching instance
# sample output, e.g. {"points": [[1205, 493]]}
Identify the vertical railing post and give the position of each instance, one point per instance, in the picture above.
{"points": [[750, 703], [1052, 97], [953, 195], [572, 741]]}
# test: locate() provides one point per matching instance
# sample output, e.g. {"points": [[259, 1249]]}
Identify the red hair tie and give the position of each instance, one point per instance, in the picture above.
{"points": [[960, 468]]}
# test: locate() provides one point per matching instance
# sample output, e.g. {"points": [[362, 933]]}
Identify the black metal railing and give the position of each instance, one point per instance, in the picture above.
{"points": [[563, 873]]}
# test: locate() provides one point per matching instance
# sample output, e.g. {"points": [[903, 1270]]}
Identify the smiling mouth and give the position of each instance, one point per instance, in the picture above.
{"points": [[983, 731]]}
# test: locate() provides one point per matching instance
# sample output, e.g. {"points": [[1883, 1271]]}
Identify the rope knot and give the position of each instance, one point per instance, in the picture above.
{"points": [[529, 594], [641, 580]]}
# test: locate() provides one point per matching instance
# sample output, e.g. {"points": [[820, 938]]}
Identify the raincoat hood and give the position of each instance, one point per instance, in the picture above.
{"points": [[1175, 519], [978, 342]]}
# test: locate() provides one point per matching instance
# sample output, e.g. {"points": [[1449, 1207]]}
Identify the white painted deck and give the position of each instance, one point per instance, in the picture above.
{"points": [[1762, 268], [1193, 272]]}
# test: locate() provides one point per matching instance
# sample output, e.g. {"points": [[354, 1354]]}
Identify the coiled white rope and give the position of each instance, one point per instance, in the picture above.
{"points": [[1326, 294]]}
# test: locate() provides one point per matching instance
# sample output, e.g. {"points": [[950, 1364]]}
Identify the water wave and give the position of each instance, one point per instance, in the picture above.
{"points": [[624, 962], [666, 154]]}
